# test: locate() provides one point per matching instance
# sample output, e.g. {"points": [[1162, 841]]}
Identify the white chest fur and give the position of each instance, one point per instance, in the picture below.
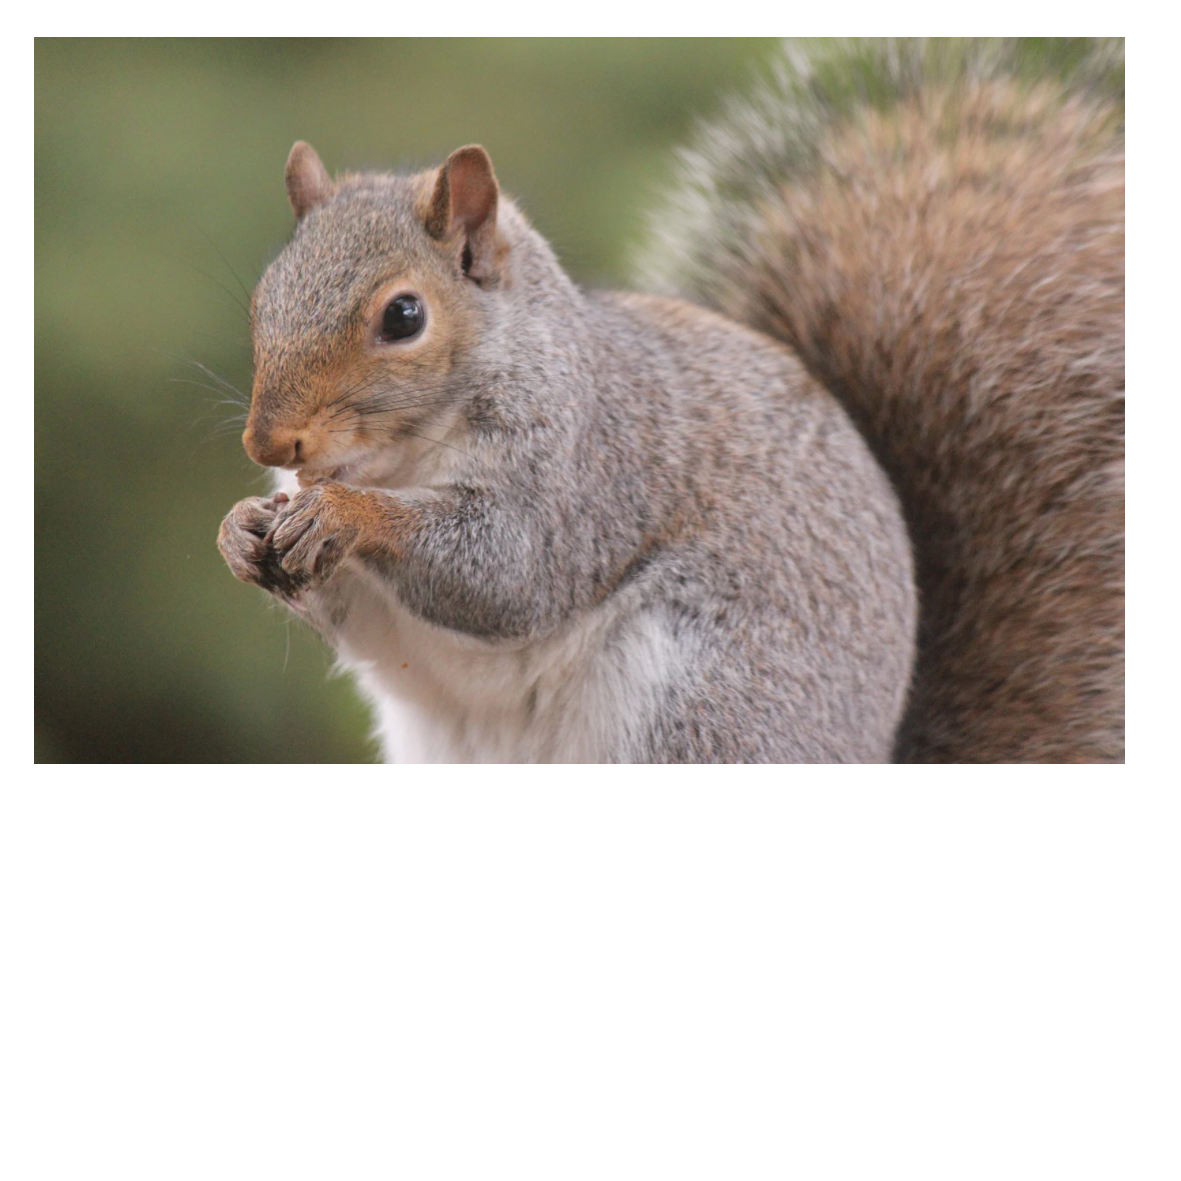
{"points": [[585, 694]]}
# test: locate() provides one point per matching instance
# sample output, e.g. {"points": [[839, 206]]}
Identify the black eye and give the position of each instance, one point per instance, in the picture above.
{"points": [[404, 318]]}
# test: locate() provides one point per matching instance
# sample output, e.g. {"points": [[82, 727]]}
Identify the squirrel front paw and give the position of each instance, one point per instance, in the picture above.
{"points": [[312, 533], [242, 542]]}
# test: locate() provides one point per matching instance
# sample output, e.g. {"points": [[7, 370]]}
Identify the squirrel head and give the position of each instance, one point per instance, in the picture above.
{"points": [[363, 324]]}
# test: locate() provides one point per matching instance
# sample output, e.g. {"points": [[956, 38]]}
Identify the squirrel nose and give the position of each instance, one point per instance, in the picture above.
{"points": [[278, 447]]}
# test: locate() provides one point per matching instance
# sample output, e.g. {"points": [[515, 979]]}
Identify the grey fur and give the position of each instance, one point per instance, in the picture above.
{"points": [[635, 483], [618, 446]]}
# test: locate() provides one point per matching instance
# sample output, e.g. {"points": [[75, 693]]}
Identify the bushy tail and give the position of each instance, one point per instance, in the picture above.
{"points": [[937, 229]]}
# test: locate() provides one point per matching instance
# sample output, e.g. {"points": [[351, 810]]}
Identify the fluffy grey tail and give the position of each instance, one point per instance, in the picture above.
{"points": [[936, 227]]}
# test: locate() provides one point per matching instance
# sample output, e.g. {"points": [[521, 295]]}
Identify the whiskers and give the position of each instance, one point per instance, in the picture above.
{"points": [[359, 407], [367, 406], [202, 376], [227, 393], [242, 303]]}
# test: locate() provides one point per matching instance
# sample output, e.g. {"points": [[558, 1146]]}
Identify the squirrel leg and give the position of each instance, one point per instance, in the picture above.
{"points": [[310, 536], [448, 556], [322, 525]]}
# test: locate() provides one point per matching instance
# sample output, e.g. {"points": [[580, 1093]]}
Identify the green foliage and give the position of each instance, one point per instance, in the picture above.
{"points": [[159, 199]]}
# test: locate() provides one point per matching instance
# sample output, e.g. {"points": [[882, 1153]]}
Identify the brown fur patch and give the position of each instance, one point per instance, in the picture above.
{"points": [[954, 272]]}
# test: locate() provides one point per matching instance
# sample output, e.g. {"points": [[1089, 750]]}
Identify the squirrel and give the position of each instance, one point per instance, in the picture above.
{"points": [[847, 487]]}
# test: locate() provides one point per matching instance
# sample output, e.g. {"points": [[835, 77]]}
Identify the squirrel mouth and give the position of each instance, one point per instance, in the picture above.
{"points": [[340, 475]]}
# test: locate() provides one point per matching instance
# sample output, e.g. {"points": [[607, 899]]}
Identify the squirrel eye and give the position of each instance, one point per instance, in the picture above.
{"points": [[403, 318]]}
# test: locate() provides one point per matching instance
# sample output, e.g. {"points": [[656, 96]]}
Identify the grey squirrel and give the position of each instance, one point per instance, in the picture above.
{"points": [[860, 500]]}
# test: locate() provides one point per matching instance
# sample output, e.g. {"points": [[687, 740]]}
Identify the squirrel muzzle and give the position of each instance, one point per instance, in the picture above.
{"points": [[277, 446]]}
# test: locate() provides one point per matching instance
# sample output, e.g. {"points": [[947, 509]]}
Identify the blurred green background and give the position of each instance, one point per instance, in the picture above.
{"points": [[159, 201]]}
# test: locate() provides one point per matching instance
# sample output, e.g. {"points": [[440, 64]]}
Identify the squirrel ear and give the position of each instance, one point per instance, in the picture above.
{"points": [[308, 182], [465, 199]]}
